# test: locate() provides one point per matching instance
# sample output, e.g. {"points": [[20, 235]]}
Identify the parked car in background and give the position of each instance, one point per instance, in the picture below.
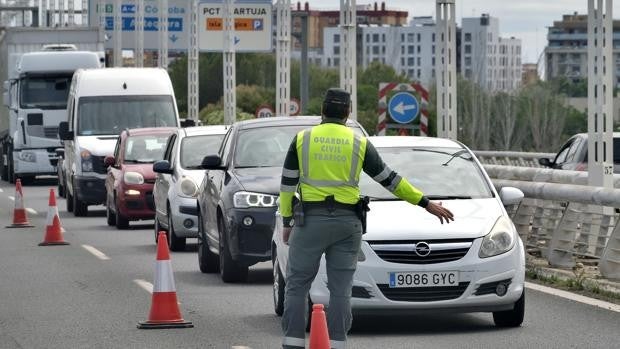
{"points": [[410, 262], [178, 176], [130, 179], [102, 103], [237, 197], [573, 155]]}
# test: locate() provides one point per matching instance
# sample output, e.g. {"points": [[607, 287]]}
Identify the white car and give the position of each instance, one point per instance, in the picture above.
{"points": [[409, 262], [178, 176]]}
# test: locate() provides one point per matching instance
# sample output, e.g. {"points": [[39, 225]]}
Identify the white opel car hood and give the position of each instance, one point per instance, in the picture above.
{"points": [[98, 145], [399, 220]]}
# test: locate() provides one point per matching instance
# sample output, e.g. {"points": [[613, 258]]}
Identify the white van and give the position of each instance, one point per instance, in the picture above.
{"points": [[102, 103]]}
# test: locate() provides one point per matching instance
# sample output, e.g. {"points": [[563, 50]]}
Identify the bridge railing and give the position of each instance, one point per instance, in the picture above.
{"points": [[511, 158], [562, 218]]}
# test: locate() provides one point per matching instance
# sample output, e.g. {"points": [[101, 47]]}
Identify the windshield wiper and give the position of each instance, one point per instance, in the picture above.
{"points": [[458, 153], [448, 197]]}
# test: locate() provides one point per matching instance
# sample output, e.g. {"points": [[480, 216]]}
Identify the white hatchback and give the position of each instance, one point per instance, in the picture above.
{"points": [[409, 262]]}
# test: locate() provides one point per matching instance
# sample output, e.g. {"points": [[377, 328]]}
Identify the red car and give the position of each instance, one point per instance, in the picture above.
{"points": [[129, 184]]}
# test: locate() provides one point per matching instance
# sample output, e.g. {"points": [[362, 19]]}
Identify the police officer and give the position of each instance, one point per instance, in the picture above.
{"points": [[323, 166]]}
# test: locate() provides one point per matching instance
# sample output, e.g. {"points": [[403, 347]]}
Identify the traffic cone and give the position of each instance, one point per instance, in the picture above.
{"points": [[20, 220], [319, 337], [165, 311], [53, 231]]}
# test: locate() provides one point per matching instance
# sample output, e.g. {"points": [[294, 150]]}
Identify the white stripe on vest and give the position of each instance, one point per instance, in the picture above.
{"points": [[164, 280]]}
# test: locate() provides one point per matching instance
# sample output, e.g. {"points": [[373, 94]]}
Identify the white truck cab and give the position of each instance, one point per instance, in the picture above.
{"points": [[102, 103]]}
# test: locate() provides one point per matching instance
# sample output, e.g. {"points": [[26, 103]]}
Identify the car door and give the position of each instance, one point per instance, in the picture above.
{"points": [[214, 182], [162, 182]]}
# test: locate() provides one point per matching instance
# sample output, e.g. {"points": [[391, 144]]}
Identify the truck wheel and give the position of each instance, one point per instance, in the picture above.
{"points": [[11, 169], [4, 173], [61, 189], [69, 202]]}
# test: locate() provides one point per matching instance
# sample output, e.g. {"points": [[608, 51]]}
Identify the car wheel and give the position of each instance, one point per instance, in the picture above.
{"points": [[278, 287], [110, 216], [159, 228], [511, 318], [207, 261], [80, 208], [230, 271], [69, 202], [61, 190], [176, 243], [121, 221]]}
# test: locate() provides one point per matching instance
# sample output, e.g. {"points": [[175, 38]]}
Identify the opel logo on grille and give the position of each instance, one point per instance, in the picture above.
{"points": [[422, 249]]}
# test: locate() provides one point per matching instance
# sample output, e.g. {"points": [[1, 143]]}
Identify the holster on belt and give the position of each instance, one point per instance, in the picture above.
{"points": [[361, 209], [298, 212]]}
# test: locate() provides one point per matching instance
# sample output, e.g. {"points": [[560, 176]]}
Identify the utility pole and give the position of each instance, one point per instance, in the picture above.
{"points": [[162, 58], [118, 34], [283, 53], [193, 85], [139, 51], [600, 93], [230, 83], [446, 69], [348, 64]]}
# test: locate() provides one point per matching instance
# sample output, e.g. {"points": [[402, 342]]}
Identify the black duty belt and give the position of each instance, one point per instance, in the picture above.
{"points": [[309, 205]]}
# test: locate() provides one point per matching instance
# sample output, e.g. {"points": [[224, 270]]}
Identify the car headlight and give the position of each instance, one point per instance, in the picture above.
{"points": [[188, 187], [133, 178], [87, 160], [244, 199], [27, 156], [501, 239]]}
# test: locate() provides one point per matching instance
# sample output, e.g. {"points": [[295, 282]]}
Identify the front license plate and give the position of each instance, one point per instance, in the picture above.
{"points": [[424, 279]]}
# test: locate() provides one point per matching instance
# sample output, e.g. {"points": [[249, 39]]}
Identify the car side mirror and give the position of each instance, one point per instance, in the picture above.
{"points": [[109, 161], [545, 162], [162, 166], [63, 131], [212, 162], [511, 196]]}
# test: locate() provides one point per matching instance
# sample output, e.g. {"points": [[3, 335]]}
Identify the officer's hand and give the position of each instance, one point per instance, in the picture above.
{"points": [[286, 234], [440, 211]]}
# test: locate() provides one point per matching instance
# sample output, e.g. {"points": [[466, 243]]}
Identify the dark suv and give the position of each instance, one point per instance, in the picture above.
{"points": [[237, 197], [573, 155]]}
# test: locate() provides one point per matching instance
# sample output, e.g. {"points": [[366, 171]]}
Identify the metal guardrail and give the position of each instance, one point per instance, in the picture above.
{"points": [[564, 219], [511, 158]]}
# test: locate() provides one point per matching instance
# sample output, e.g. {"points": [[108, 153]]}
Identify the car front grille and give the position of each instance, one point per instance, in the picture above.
{"points": [[404, 252], [423, 294]]}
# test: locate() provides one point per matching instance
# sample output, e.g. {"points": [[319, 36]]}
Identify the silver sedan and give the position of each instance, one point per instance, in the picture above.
{"points": [[178, 177]]}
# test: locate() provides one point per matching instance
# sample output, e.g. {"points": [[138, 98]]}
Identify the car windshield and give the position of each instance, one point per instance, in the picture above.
{"points": [[109, 115], [195, 148], [267, 146], [145, 149], [45, 92], [441, 173]]}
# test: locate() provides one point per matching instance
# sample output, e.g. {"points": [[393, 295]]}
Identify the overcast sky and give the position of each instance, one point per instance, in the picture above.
{"points": [[524, 19]]}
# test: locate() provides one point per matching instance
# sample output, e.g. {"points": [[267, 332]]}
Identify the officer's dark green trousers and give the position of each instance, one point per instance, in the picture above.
{"points": [[338, 235]]}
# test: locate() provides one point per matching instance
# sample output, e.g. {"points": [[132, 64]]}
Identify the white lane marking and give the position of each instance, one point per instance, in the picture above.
{"points": [[574, 297], [145, 285], [1, 190], [31, 210], [239, 347], [12, 198], [95, 252]]}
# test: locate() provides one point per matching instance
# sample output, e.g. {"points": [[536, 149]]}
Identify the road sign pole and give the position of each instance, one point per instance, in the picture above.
{"points": [[139, 51], [600, 94], [230, 96], [446, 69], [348, 64], [163, 34], [283, 52], [192, 62], [118, 34]]}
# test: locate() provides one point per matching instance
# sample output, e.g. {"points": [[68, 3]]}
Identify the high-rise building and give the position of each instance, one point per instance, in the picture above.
{"points": [[566, 54], [487, 59]]}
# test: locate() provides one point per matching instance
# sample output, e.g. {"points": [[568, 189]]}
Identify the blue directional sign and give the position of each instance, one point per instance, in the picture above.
{"points": [[403, 107]]}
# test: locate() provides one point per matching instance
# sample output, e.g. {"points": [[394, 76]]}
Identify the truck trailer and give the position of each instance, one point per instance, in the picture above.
{"points": [[37, 65]]}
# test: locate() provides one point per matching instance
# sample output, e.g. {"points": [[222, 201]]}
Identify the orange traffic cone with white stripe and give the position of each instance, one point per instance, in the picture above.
{"points": [[53, 230], [319, 336], [20, 220], [165, 311]]}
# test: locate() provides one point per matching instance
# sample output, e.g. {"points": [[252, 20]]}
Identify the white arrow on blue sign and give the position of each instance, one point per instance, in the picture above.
{"points": [[403, 107]]}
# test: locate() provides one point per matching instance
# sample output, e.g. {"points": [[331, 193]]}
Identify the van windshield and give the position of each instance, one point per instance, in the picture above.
{"points": [[109, 115]]}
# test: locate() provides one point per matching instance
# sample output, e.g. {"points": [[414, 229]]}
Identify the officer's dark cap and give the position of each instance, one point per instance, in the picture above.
{"points": [[337, 96]]}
